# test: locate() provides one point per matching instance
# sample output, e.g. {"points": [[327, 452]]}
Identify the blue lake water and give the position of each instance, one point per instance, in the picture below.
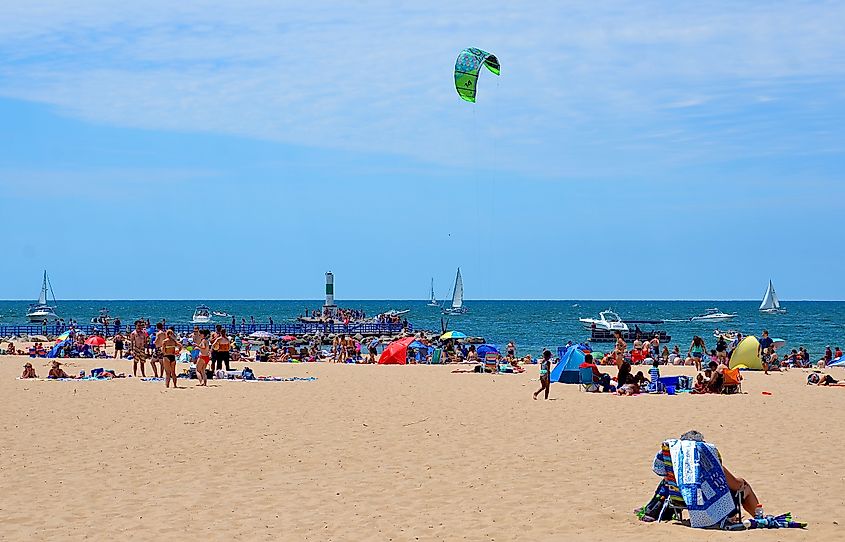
{"points": [[533, 325]]}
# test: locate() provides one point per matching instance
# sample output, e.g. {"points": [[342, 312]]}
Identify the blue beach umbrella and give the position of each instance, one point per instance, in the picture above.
{"points": [[485, 349]]}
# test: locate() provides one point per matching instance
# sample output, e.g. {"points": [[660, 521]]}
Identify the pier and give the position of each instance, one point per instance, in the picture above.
{"points": [[296, 329]]}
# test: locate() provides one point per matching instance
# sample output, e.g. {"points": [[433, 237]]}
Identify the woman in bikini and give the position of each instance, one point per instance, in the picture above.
{"points": [[170, 348], [204, 357]]}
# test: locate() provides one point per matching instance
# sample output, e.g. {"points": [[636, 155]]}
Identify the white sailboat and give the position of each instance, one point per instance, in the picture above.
{"points": [[433, 302], [41, 311], [771, 304], [457, 297]]}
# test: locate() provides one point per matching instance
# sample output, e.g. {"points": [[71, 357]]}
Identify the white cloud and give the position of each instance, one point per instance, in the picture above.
{"points": [[371, 76]]}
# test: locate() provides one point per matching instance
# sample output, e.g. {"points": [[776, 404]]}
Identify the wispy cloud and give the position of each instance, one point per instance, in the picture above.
{"points": [[581, 85]]}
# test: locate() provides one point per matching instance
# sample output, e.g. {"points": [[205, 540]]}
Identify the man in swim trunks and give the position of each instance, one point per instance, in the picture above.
{"points": [[157, 355], [139, 339]]}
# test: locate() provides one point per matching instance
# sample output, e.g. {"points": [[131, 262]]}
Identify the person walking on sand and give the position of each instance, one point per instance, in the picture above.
{"points": [[169, 348], [205, 356], [545, 375], [696, 351], [139, 340]]}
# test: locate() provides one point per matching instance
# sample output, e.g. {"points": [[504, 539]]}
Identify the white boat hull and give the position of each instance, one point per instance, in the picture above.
{"points": [[773, 311], [726, 318]]}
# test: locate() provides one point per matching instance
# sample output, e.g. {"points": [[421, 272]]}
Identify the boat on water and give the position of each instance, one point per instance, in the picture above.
{"points": [[607, 321], [771, 303], [202, 315], [103, 318], [729, 335], [457, 306], [221, 314], [433, 301], [713, 315], [391, 313], [42, 312]]}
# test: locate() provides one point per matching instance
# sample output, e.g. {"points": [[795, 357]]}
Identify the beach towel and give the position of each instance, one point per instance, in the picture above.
{"points": [[701, 482]]}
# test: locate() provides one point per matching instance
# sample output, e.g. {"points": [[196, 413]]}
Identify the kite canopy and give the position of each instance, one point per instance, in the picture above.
{"points": [[467, 65]]}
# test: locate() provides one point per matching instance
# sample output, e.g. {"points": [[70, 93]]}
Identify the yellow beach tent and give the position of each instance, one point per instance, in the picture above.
{"points": [[745, 355]]}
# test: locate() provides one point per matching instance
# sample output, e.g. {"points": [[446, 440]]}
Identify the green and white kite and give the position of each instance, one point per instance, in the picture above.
{"points": [[467, 65]]}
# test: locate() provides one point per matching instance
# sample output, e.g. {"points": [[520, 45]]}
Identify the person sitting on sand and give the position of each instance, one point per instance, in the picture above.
{"points": [[28, 371], [717, 379], [56, 371]]}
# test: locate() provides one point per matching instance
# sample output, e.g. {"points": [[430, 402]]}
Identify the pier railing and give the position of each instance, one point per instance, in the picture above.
{"points": [[297, 329]]}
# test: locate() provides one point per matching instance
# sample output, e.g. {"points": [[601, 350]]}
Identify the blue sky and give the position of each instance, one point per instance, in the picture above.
{"points": [[628, 151]]}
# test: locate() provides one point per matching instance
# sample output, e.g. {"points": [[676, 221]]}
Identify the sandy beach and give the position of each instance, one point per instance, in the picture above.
{"points": [[392, 453]]}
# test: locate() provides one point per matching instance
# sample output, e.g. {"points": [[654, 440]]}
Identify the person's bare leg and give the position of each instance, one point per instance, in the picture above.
{"points": [[135, 368], [749, 498]]}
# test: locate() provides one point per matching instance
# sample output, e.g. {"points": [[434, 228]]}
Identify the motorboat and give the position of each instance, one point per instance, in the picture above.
{"points": [[771, 303], [202, 315], [392, 313], [41, 312], [607, 321], [221, 314], [729, 335], [433, 301], [713, 315], [103, 318], [457, 306]]}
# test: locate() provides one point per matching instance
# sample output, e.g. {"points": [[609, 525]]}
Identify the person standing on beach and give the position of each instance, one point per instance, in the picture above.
{"points": [[169, 349], [157, 356], [139, 340], [545, 375], [222, 344], [511, 350], [118, 345], [621, 348], [205, 356], [766, 346], [696, 351]]}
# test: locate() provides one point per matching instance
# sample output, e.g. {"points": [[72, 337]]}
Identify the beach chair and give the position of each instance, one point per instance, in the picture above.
{"points": [[732, 381], [491, 362], [668, 502], [585, 379]]}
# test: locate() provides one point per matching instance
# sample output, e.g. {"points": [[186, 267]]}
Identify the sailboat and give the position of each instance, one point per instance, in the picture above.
{"points": [[771, 304], [433, 302], [457, 297], [41, 311]]}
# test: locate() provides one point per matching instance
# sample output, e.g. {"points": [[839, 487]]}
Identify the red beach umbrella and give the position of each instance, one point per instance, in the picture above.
{"points": [[396, 353], [288, 338], [96, 340]]}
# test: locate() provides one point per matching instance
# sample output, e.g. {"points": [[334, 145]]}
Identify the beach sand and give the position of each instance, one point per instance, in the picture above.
{"points": [[392, 453]]}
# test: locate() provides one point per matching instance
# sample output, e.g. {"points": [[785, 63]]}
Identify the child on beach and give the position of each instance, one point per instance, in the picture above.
{"points": [[118, 345], [545, 370], [170, 348], [205, 356]]}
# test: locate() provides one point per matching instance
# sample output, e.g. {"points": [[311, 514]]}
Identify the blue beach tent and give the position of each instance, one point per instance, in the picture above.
{"points": [[566, 370], [54, 352]]}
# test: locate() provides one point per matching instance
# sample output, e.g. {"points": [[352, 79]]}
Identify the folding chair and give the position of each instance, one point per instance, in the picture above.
{"points": [[732, 381], [585, 379], [491, 362]]}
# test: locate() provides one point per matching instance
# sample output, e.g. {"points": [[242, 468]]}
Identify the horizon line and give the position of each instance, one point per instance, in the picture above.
{"points": [[724, 300]]}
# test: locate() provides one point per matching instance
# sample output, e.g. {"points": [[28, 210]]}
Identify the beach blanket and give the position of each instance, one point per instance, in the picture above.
{"points": [[701, 482], [85, 379], [281, 379]]}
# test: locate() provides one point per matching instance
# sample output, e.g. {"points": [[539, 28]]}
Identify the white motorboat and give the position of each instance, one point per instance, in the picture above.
{"points": [[42, 312], [457, 306], [713, 315], [771, 303], [221, 314], [202, 315], [607, 320], [103, 318], [433, 302], [392, 313]]}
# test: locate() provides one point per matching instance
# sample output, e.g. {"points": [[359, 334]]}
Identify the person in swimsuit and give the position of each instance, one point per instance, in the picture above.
{"points": [[222, 344], [157, 352], [139, 339], [621, 347], [545, 376], [696, 351], [205, 356], [118, 345], [169, 348], [511, 350], [56, 371], [28, 371]]}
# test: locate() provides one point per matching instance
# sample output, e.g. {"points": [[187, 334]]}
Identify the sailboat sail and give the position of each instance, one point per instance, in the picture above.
{"points": [[42, 299], [433, 299], [458, 293], [770, 300]]}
